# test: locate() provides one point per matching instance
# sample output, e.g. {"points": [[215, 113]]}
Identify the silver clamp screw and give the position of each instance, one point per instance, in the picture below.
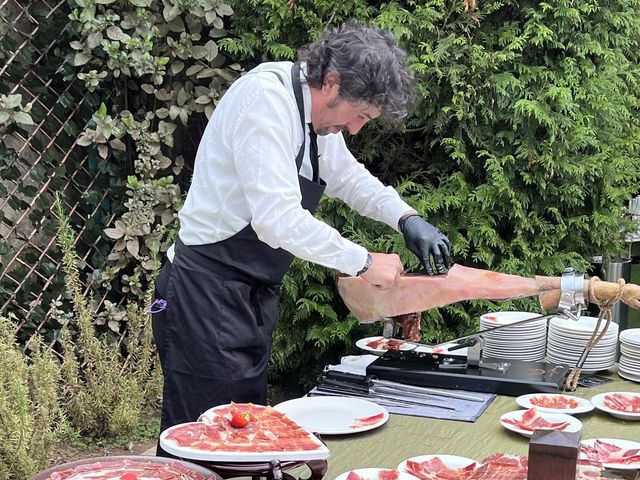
{"points": [[572, 294]]}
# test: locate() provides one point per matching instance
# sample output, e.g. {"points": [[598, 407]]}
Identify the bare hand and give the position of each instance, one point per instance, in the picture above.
{"points": [[384, 271]]}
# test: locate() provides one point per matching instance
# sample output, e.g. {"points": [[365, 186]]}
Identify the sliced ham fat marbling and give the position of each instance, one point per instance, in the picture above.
{"points": [[622, 403]]}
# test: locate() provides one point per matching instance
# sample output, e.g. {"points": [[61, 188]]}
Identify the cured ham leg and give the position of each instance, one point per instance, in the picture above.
{"points": [[417, 293]]}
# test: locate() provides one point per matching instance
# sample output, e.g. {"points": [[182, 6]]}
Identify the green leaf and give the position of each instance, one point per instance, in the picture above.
{"points": [[81, 58], [23, 117]]}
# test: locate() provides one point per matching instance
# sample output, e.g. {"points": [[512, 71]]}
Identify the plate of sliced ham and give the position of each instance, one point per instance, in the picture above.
{"points": [[375, 474], [334, 415], [611, 452], [436, 467], [525, 422], [267, 435], [555, 403], [379, 345], [625, 405]]}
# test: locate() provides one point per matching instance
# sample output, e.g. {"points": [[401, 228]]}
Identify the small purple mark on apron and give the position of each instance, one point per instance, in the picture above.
{"points": [[158, 305]]}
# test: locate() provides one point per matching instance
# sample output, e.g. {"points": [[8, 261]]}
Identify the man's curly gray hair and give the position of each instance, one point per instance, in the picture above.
{"points": [[372, 69]]}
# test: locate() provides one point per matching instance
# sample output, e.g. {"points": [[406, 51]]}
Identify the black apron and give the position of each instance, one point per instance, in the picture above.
{"points": [[214, 339]]}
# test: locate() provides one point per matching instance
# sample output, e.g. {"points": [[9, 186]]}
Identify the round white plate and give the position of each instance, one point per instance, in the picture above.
{"points": [[598, 402], [171, 446], [631, 336], [363, 344], [451, 461], [583, 404], [626, 444], [584, 325], [629, 376], [334, 415], [575, 425], [443, 349], [373, 474], [507, 318]]}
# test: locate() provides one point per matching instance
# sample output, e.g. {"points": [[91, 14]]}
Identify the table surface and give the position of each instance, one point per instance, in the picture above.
{"points": [[404, 436]]}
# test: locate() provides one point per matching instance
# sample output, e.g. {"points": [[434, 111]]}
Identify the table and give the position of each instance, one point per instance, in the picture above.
{"points": [[403, 437]]}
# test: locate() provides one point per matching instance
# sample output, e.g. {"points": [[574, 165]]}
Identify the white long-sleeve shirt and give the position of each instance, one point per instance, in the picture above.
{"points": [[245, 173]]}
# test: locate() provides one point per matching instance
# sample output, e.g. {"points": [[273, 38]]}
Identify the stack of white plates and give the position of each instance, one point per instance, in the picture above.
{"points": [[567, 339], [524, 342], [629, 366]]}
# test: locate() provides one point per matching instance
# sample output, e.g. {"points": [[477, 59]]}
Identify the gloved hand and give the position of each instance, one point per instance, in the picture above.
{"points": [[426, 242]]}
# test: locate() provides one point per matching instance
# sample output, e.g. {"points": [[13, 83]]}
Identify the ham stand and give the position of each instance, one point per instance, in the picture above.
{"points": [[475, 372]]}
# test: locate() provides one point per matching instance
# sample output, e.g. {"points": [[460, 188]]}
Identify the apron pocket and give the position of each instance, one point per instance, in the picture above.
{"points": [[247, 315]]}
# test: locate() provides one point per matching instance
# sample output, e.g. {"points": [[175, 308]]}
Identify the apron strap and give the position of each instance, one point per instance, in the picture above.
{"points": [[313, 137]]}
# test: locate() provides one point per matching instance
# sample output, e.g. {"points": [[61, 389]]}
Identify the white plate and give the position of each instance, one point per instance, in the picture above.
{"points": [[598, 402], [451, 461], [333, 415], [443, 349], [507, 318], [626, 444], [373, 474], [583, 404], [575, 425], [362, 343], [584, 325], [319, 453], [629, 376], [631, 336]]}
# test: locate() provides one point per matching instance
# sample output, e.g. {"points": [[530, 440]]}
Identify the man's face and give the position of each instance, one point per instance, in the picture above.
{"points": [[329, 114]]}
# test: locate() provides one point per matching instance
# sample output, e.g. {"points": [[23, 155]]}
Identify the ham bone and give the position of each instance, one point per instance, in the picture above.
{"points": [[417, 293]]}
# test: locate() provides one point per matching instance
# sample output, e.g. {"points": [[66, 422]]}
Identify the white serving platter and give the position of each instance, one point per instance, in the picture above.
{"points": [[583, 406], [625, 444], [574, 425], [333, 415], [363, 344], [451, 461], [373, 474], [170, 446], [598, 401]]}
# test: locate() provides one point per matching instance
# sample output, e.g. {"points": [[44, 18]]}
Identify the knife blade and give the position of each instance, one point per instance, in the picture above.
{"points": [[422, 390], [381, 396]]}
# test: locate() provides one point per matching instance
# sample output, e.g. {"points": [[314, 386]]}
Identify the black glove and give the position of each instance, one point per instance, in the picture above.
{"points": [[426, 241]]}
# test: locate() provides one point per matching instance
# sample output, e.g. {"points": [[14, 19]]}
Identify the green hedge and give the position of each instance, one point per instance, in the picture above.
{"points": [[524, 148]]}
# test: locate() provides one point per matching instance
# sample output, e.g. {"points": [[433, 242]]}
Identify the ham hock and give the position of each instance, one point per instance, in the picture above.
{"points": [[417, 293]]}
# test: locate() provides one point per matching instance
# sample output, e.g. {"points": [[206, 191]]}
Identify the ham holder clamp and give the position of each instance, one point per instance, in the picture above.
{"points": [[473, 372]]}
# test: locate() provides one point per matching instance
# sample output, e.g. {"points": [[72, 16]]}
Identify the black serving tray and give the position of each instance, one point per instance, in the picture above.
{"points": [[427, 370]]}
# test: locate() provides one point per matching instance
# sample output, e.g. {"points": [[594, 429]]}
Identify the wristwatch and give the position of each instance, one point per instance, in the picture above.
{"points": [[367, 264]]}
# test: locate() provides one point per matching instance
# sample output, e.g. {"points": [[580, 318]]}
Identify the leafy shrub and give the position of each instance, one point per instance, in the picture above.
{"points": [[108, 387], [523, 149], [158, 70], [30, 406]]}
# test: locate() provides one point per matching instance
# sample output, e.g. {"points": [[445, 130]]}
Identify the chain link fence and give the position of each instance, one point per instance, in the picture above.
{"points": [[37, 161]]}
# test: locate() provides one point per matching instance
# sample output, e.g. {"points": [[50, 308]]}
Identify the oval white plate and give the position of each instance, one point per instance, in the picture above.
{"points": [[373, 474], [626, 444], [628, 376], [598, 402], [443, 349], [583, 404], [333, 415], [451, 461], [631, 336], [362, 343], [575, 425], [507, 318]]}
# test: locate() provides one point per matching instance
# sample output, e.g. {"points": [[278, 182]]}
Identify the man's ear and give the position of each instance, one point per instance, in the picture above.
{"points": [[331, 83]]}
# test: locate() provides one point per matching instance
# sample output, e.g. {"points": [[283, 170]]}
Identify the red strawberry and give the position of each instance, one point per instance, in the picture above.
{"points": [[240, 419], [129, 476]]}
